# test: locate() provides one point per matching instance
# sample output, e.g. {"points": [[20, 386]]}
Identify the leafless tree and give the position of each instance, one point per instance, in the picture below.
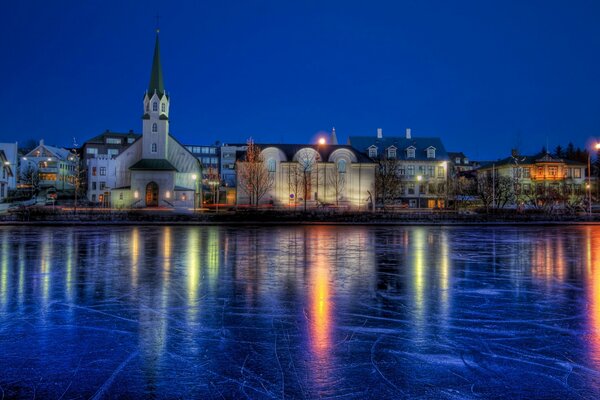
{"points": [[306, 161], [336, 180], [31, 177], [253, 177], [294, 179], [387, 180]]}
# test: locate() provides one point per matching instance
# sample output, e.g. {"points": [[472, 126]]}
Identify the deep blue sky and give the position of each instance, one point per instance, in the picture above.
{"points": [[485, 76]]}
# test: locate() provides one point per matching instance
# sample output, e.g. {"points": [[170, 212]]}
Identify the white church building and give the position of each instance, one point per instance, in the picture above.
{"points": [[156, 170]]}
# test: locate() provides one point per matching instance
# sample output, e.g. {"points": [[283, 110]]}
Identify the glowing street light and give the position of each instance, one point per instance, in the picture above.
{"points": [[589, 184]]}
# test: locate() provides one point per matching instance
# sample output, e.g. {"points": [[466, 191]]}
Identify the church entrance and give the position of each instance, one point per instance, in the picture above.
{"points": [[152, 195]]}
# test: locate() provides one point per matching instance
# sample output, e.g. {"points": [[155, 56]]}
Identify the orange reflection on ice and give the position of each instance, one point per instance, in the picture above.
{"points": [[320, 297], [592, 238]]}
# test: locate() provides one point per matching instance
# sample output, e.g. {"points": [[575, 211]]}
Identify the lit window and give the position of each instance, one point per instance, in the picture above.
{"points": [[372, 151], [154, 127], [154, 148], [431, 152], [410, 152], [342, 166], [155, 106]]}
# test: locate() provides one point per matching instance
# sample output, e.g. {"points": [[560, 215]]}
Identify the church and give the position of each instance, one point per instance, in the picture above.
{"points": [[156, 170]]}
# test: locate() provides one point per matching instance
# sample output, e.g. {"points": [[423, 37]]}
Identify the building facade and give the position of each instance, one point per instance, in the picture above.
{"points": [[537, 179], [156, 170], [47, 167], [422, 166], [6, 174], [313, 176], [98, 161], [11, 160]]}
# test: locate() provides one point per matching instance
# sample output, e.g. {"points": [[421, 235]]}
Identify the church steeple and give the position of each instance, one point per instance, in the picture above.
{"points": [[156, 76]]}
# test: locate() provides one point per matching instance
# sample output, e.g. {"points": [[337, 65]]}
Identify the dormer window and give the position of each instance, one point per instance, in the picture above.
{"points": [[431, 152], [154, 148], [391, 152], [163, 107], [410, 152], [457, 160], [154, 127], [466, 160], [155, 106], [373, 151]]}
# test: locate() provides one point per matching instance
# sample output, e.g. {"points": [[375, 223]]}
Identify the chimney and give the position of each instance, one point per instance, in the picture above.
{"points": [[408, 133], [41, 142], [379, 133]]}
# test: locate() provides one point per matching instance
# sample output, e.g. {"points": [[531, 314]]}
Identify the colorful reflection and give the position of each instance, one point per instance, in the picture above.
{"points": [[592, 263]]}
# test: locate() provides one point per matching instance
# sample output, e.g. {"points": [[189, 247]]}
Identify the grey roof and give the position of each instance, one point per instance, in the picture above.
{"points": [[153, 164], [324, 150], [421, 144]]}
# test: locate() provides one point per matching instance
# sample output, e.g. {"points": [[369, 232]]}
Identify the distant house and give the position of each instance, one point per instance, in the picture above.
{"points": [[540, 175], [461, 163], [52, 167], [422, 165]]}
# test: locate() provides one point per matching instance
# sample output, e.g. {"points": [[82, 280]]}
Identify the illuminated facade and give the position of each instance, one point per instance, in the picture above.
{"points": [[422, 165], [541, 174], [315, 175], [156, 170], [54, 167]]}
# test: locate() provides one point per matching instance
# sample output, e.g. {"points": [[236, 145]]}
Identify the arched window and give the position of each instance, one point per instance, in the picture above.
{"points": [[341, 166], [155, 106], [163, 107], [271, 165], [154, 127], [154, 147], [147, 106]]}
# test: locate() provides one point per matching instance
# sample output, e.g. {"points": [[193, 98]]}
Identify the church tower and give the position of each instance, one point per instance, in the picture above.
{"points": [[155, 127]]}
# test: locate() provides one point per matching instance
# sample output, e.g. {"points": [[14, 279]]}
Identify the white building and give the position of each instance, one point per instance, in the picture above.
{"points": [[315, 175], [156, 170], [11, 160], [53, 167], [6, 174]]}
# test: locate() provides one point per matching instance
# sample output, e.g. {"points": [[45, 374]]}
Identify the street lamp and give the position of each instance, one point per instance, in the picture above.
{"points": [[419, 179]]}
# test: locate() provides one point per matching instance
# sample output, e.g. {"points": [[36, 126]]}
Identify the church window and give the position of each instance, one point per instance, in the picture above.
{"points": [[147, 107], [163, 107], [154, 127], [155, 106], [154, 147]]}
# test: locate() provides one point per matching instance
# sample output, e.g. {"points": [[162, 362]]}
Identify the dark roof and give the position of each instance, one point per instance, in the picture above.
{"points": [[528, 160], [183, 189], [456, 154], [153, 164], [101, 138], [421, 144], [324, 150], [156, 77]]}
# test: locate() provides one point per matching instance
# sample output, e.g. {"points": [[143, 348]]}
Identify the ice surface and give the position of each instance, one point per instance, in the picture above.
{"points": [[300, 312]]}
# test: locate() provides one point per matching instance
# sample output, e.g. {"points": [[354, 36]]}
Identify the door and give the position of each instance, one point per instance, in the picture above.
{"points": [[152, 195]]}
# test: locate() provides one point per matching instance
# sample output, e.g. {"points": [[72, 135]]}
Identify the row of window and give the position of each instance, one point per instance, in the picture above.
{"points": [[410, 152], [206, 161], [550, 172], [163, 107], [93, 151], [428, 170], [272, 166], [102, 171], [102, 185], [202, 149]]}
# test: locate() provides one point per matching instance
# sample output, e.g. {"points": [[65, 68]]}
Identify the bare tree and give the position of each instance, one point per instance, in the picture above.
{"points": [[253, 176], [387, 180], [306, 161], [295, 184], [31, 177], [336, 180]]}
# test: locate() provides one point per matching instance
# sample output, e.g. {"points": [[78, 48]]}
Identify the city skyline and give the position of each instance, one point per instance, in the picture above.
{"points": [[483, 78]]}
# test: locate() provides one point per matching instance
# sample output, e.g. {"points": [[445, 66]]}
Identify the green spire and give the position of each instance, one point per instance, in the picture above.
{"points": [[156, 77]]}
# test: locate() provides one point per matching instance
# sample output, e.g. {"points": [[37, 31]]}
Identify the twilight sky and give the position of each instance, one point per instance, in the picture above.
{"points": [[484, 76]]}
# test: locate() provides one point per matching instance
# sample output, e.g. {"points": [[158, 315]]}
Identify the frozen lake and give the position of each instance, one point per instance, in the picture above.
{"points": [[300, 312]]}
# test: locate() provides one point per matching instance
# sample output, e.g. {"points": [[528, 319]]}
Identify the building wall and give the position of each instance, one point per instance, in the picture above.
{"points": [[101, 171], [11, 154]]}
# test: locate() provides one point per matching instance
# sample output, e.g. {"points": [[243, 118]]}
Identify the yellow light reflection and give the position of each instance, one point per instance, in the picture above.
{"points": [[4, 272], [193, 272], [46, 266], [418, 249], [444, 263], [135, 256], [592, 242]]}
